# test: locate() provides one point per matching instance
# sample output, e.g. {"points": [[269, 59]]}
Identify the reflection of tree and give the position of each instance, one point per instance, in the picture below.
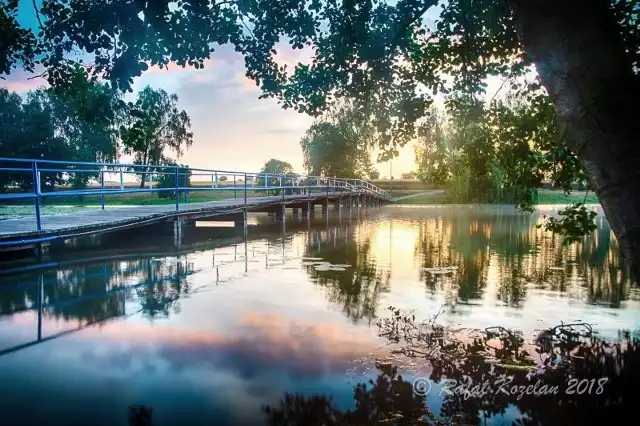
{"points": [[160, 297], [357, 289], [518, 253], [513, 288], [499, 359], [387, 400], [95, 292]]}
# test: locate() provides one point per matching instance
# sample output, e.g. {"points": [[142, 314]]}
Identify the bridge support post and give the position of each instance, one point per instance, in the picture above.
{"points": [[245, 228], [238, 220], [280, 213], [177, 232], [325, 209], [307, 210]]}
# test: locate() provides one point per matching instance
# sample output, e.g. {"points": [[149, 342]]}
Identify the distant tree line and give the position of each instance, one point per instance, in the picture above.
{"points": [[86, 121]]}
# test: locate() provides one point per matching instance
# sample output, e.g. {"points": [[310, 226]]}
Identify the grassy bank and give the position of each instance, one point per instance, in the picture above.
{"points": [[63, 203], [399, 185], [545, 196], [201, 193]]}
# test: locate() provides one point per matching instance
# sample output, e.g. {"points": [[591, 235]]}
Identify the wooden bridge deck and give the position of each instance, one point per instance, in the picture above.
{"points": [[98, 220]]}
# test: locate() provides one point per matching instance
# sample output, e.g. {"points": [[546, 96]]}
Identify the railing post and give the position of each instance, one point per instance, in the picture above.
{"points": [[245, 188], [282, 186], [121, 180], [177, 189], [36, 192], [102, 189], [266, 186], [235, 191], [186, 185], [216, 175]]}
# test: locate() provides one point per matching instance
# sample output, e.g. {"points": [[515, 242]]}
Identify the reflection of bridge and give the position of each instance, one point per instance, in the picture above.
{"points": [[318, 235], [246, 192]]}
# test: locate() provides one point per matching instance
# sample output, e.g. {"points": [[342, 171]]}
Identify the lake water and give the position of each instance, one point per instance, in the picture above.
{"points": [[208, 333]]}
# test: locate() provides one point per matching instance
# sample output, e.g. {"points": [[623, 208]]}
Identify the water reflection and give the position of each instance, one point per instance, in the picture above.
{"points": [[578, 380], [92, 292], [126, 323], [388, 399], [505, 250], [357, 289]]}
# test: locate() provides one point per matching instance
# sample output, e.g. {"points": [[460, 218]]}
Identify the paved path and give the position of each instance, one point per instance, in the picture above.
{"points": [[419, 194], [93, 220]]}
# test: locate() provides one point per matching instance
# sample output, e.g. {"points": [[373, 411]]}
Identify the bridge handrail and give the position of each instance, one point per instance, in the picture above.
{"points": [[269, 181]]}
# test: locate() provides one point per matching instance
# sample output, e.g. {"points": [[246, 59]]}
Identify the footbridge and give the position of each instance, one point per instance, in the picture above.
{"points": [[108, 197]]}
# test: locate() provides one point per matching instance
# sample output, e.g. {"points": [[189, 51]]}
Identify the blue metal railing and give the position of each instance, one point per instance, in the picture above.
{"points": [[34, 172]]}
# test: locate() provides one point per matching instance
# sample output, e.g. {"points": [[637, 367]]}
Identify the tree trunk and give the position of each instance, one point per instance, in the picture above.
{"points": [[579, 54]]}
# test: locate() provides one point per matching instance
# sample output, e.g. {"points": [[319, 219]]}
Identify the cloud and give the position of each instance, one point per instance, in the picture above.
{"points": [[23, 86], [173, 67], [247, 83], [258, 345], [290, 57], [22, 81], [282, 131], [250, 359]]}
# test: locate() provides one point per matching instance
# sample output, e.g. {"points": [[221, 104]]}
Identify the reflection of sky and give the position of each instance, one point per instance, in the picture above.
{"points": [[228, 363], [244, 339]]}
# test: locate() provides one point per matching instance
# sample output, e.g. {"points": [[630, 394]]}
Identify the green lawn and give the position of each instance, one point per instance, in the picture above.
{"points": [[140, 198], [438, 198], [549, 196], [64, 204], [73, 203], [402, 185], [545, 196], [403, 192]]}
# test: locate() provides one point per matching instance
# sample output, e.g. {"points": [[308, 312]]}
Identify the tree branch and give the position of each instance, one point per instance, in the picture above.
{"points": [[499, 89], [403, 25], [35, 8]]}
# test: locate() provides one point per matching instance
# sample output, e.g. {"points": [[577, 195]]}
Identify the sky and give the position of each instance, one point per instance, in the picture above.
{"points": [[233, 129]]}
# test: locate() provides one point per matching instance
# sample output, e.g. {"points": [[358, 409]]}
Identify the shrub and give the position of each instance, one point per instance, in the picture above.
{"points": [[168, 179]]}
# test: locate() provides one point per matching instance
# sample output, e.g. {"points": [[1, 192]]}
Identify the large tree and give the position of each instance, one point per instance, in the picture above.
{"points": [[586, 53], [274, 170], [339, 144], [156, 127], [276, 167]]}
